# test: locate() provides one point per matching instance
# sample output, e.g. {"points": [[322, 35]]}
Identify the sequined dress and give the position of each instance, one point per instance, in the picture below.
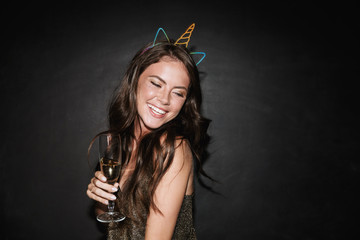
{"points": [[184, 228]]}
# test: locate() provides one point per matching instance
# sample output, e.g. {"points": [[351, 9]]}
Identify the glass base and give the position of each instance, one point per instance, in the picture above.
{"points": [[108, 217]]}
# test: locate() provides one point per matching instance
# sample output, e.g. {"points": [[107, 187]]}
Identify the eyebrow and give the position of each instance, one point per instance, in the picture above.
{"points": [[162, 80]]}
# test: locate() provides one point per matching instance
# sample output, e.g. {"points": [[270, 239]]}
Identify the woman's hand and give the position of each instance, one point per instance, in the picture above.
{"points": [[101, 191]]}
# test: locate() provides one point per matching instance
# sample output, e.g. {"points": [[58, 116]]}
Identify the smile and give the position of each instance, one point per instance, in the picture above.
{"points": [[156, 110]]}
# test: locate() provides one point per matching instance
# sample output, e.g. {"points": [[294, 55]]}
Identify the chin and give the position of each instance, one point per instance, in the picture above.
{"points": [[153, 125], [150, 126]]}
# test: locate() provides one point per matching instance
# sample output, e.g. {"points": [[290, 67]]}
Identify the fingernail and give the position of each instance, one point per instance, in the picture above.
{"points": [[104, 179], [113, 197], [114, 189], [106, 202]]}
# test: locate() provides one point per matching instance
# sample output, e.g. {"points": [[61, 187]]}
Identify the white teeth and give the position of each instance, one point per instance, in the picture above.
{"points": [[157, 110]]}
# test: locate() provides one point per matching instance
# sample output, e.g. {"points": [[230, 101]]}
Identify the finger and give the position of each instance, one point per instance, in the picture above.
{"points": [[100, 176], [102, 194], [96, 198], [105, 186], [99, 194], [102, 190]]}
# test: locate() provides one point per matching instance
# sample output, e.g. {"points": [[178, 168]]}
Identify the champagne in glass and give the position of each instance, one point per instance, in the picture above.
{"points": [[110, 164], [111, 169]]}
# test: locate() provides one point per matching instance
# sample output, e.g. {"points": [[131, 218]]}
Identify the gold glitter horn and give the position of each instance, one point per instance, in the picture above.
{"points": [[185, 38]]}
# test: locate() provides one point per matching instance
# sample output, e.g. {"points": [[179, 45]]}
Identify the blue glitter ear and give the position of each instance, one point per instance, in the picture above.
{"points": [[196, 53], [157, 33]]}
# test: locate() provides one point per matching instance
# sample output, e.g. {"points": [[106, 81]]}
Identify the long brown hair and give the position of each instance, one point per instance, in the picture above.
{"points": [[158, 145]]}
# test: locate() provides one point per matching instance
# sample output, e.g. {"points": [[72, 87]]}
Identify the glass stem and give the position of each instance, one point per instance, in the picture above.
{"points": [[111, 206]]}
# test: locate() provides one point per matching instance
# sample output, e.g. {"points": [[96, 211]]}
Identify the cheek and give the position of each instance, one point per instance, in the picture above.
{"points": [[145, 93], [178, 105]]}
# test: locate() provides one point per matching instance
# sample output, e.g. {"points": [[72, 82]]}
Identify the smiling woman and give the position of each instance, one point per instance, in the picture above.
{"points": [[156, 111], [161, 93]]}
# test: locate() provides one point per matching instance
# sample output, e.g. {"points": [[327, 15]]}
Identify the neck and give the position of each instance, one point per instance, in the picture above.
{"points": [[139, 129]]}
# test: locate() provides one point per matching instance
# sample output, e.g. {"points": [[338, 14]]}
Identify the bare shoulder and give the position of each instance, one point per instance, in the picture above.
{"points": [[183, 155], [183, 144]]}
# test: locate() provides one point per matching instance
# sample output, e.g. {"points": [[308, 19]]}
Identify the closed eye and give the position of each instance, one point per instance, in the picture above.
{"points": [[155, 84], [179, 94]]}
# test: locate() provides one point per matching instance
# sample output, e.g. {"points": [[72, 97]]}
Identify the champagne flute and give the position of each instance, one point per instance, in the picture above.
{"points": [[110, 164]]}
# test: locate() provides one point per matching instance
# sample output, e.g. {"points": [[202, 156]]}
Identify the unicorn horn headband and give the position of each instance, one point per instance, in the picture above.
{"points": [[183, 40]]}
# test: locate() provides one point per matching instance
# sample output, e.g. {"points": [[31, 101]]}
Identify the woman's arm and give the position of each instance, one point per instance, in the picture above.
{"points": [[169, 195]]}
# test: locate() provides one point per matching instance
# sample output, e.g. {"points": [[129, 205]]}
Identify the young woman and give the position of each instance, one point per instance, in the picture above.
{"points": [[156, 111]]}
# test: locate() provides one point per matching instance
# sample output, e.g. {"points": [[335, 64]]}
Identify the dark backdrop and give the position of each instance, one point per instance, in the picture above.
{"points": [[278, 82]]}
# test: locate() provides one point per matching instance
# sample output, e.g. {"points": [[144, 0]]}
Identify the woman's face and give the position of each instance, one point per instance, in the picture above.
{"points": [[161, 92]]}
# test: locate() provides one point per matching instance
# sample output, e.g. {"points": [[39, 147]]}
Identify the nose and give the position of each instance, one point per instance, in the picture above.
{"points": [[164, 97]]}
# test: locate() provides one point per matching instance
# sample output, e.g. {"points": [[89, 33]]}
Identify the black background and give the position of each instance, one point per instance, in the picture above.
{"points": [[279, 83]]}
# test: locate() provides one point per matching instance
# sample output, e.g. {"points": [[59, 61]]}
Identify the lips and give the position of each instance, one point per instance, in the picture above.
{"points": [[156, 112]]}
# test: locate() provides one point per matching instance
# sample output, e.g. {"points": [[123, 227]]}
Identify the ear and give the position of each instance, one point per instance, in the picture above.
{"points": [[157, 33], [199, 53]]}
